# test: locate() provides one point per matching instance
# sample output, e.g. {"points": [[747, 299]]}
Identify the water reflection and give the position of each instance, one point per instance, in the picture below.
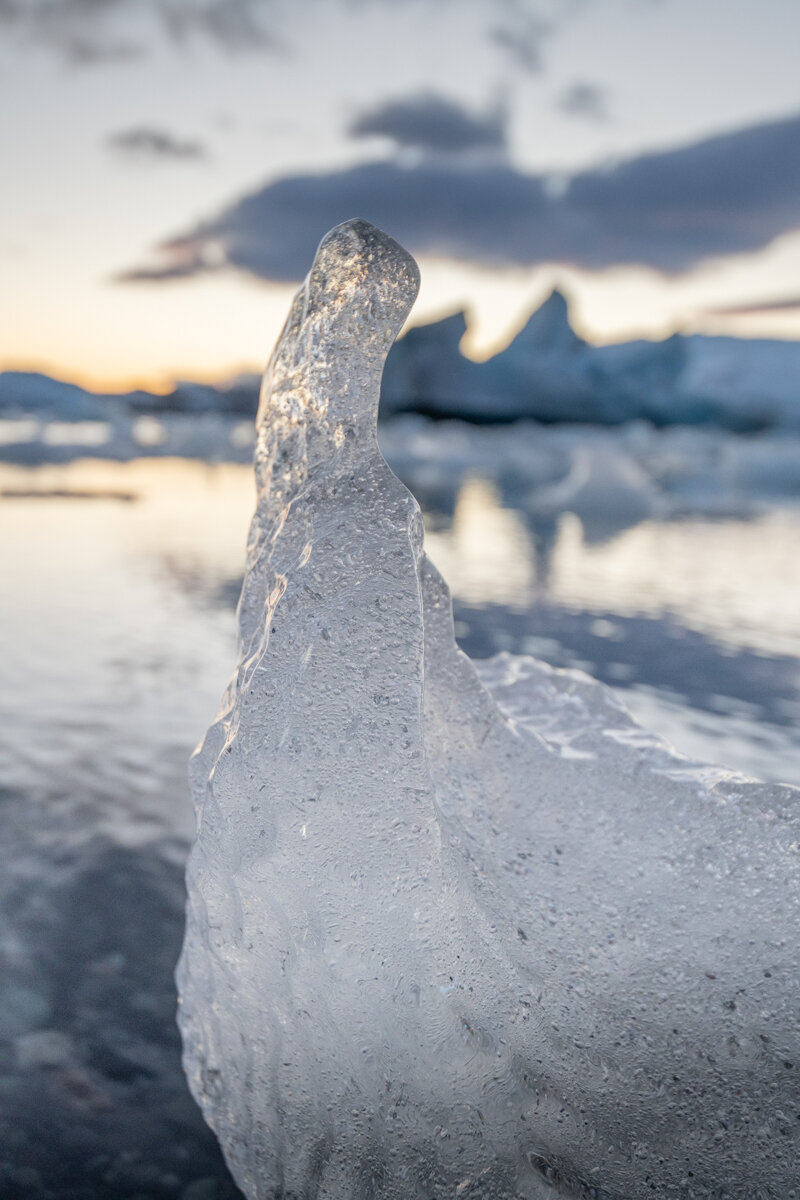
{"points": [[484, 552], [118, 631], [704, 649], [93, 1101]]}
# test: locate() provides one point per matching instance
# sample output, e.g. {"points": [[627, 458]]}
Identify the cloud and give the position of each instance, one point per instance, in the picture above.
{"points": [[81, 31], [94, 31], [144, 142], [671, 210], [86, 32], [754, 307], [521, 37], [91, 51], [234, 24], [728, 194], [584, 100], [444, 207], [432, 123], [176, 270]]}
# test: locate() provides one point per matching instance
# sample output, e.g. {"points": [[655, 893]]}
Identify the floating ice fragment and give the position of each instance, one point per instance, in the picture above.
{"points": [[449, 933]]}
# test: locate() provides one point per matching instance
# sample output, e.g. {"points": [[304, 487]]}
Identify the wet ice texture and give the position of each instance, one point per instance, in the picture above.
{"points": [[455, 933]]}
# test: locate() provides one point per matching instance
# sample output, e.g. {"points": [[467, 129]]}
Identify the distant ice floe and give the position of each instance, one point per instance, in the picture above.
{"points": [[610, 477], [213, 437]]}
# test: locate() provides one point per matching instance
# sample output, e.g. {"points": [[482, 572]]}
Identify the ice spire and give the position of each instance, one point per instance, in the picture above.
{"points": [[451, 935]]}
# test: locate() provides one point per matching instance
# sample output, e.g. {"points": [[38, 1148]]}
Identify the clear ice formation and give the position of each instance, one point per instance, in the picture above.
{"points": [[460, 930]]}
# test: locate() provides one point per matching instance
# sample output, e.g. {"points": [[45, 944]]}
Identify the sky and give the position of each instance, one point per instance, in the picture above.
{"points": [[170, 165]]}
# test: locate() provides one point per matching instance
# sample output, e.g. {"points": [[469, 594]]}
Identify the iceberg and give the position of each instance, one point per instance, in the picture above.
{"points": [[24, 393], [460, 931], [548, 373]]}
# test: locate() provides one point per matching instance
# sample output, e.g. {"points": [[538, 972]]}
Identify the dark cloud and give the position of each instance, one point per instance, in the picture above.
{"points": [[144, 142], [521, 37], [728, 194], [584, 100], [754, 307], [237, 25], [444, 207], [432, 123], [95, 31], [175, 270], [81, 31], [91, 51], [670, 211]]}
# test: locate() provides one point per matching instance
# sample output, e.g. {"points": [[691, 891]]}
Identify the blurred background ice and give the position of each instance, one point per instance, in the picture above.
{"points": [[616, 490]]}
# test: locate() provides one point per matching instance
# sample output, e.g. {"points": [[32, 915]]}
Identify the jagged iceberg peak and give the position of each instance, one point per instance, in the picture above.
{"points": [[548, 329], [452, 934]]}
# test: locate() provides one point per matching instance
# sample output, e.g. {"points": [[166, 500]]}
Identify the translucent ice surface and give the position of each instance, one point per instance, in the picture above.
{"points": [[460, 934]]}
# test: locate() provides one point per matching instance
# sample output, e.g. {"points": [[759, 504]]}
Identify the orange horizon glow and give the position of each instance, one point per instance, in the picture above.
{"points": [[162, 382], [210, 331], [159, 384]]}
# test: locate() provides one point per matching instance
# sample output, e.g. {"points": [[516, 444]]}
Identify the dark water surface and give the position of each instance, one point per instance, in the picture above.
{"points": [[116, 640]]}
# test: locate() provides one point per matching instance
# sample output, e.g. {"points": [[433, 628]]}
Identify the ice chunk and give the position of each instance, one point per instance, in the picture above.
{"points": [[452, 935]]}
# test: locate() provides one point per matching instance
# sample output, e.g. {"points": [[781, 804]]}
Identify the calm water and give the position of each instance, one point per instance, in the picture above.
{"points": [[117, 637]]}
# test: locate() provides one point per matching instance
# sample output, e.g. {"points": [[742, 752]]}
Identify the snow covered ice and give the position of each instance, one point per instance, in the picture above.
{"points": [[455, 932]]}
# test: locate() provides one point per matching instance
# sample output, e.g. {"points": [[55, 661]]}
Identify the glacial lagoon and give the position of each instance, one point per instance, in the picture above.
{"points": [[117, 638]]}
